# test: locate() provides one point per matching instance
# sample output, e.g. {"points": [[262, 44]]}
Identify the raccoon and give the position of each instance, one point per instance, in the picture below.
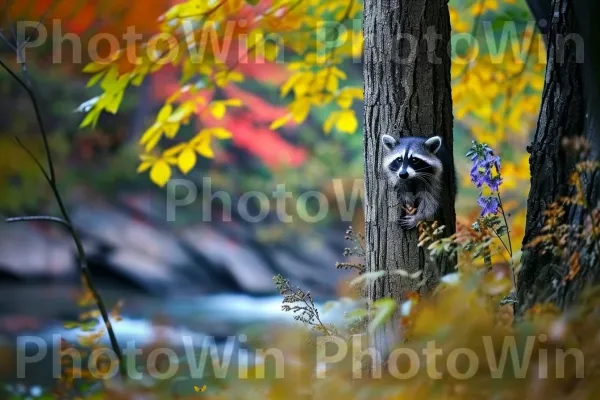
{"points": [[417, 168]]}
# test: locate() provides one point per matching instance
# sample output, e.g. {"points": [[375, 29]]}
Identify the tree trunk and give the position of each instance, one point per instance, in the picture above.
{"points": [[569, 107], [407, 93]]}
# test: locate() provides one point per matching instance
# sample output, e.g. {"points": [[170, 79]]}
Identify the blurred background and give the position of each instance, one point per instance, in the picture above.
{"points": [[203, 273]]}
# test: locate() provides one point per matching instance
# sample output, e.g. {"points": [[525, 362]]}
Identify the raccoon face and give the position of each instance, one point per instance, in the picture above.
{"points": [[412, 158]]}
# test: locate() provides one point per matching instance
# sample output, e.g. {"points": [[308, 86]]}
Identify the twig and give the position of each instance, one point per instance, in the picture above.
{"points": [[38, 218], [34, 158], [51, 178], [8, 43], [38, 116]]}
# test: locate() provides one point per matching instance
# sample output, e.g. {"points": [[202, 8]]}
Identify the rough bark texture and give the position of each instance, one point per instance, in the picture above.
{"points": [[569, 108], [407, 93]]}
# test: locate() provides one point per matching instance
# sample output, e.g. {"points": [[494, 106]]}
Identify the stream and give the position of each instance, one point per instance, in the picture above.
{"points": [[34, 314]]}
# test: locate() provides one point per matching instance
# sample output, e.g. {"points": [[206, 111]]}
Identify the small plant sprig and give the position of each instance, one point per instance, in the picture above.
{"points": [[485, 174], [429, 232], [301, 304], [357, 250]]}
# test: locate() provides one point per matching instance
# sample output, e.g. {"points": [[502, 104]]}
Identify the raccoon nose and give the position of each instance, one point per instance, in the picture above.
{"points": [[403, 175]]}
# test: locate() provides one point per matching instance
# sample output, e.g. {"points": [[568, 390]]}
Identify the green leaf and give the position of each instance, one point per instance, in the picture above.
{"points": [[252, 2], [91, 118], [95, 79], [384, 310], [367, 277], [115, 101], [71, 325]]}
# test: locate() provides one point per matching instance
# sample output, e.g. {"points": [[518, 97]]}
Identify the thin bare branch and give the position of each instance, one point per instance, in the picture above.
{"points": [[7, 41], [34, 158], [38, 116], [38, 218], [51, 178]]}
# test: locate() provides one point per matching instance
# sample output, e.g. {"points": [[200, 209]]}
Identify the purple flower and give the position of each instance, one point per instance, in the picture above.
{"points": [[489, 205], [485, 170], [483, 164]]}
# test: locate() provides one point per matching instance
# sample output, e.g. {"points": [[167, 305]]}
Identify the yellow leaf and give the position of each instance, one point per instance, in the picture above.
{"points": [[160, 173], [186, 160], [144, 166], [222, 78], [332, 83], [346, 96], [235, 76], [164, 113], [217, 109], [292, 80], [271, 51], [279, 122], [537, 83], [300, 109], [94, 79], [204, 149], [150, 133], [347, 122], [484, 111], [91, 118], [331, 120], [205, 69], [147, 157], [171, 129], [138, 78], [174, 150], [344, 100], [335, 71], [232, 102], [95, 67], [110, 80], [114, 101], [220, 133]]}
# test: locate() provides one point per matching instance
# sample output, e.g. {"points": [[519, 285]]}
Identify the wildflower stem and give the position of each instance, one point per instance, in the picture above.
{"points": [[506, 224], [500, 238], [510, 249]]}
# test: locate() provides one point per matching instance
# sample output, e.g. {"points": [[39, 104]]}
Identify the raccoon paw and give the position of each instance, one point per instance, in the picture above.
{"points": [[408, 222]]}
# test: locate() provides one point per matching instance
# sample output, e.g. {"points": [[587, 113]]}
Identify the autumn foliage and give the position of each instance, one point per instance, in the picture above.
{"points": [[210, 58]]}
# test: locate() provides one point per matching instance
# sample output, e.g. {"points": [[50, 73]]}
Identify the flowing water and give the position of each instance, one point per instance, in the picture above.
{"points": [[34, 315]]}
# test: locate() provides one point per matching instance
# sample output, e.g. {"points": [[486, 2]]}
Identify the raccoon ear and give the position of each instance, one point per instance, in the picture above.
{"points": [[388, 141], [433, 144]]}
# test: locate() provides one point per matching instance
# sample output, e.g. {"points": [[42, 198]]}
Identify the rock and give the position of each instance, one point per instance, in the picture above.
{"points": [[30, 250], [142, 269], [249, 270], [132, 243], [115, 228]]}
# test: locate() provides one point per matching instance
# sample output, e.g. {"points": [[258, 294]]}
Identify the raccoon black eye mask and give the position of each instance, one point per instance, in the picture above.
{"points": [[416, 167]]}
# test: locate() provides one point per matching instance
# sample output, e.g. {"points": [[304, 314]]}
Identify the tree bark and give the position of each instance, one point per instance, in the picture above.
{"points": [[569, 109], [407, 93]]}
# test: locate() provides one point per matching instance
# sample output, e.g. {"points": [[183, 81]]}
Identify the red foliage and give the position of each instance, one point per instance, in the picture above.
{"points": [[261, 110], [92, 16], [262, 142], [249, 126]]}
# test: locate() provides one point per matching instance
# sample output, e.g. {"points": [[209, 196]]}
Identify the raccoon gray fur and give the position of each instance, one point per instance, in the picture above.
{"points": [[417, 168]]}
